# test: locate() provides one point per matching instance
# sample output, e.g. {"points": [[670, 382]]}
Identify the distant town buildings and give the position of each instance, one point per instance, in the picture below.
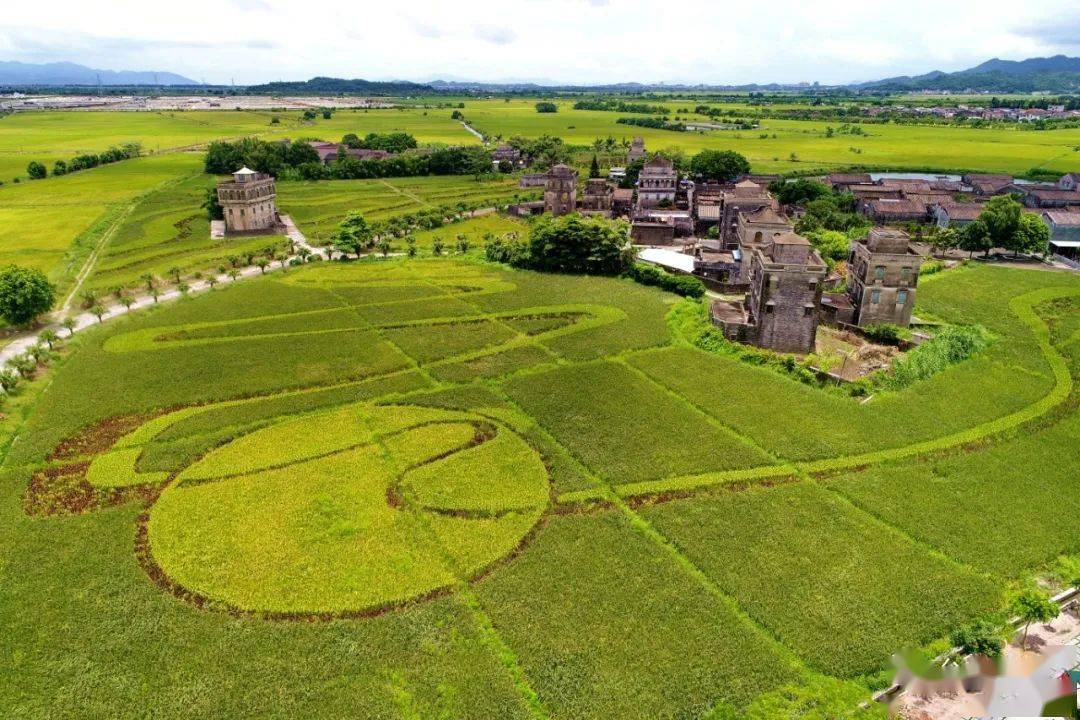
{"points": [[248, 202], [328, 152]]}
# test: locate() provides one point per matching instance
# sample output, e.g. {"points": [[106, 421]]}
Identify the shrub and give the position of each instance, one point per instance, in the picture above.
{"points": [[36, 170], [982, 637], [883, 333], [684, 285], [950, 346], [930, 268], [508, 249], [546, 107]]}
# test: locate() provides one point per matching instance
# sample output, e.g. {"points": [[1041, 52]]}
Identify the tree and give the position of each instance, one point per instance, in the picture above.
{"points": [[1032, 605], [60, 168], [975, 237], [1001, 216], [8, 380], [24, 365], [945, 239], [127, 301], [36, 170], [149, 279], [234, 274], [262, 264], [175, 272], [579, 245], [384, 246], [155, 294], [213, 208], [437, 246], [799, 192], [98, 311], [463, 244], [25, 293], [353, 234], [594, 167], [1032, 235], [722, 165], [982, 637], [831, 244], [70, 324], [49, 337], [546, 107], [211, 281], [410, 245]]}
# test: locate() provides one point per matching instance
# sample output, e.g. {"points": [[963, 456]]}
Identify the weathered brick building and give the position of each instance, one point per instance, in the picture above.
{"points": [[781, 309], [883, 271], [597, 198], [637, 150], [560, 190], [249, 202]]}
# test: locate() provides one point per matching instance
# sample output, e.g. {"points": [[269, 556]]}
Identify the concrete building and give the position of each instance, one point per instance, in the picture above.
{"points": [[745, 196], [1064, 235], [531, 180], [507, 153], [657, 183], [843, 181], [560, 191], [652, 232], [622, 202], [954, 213], [781, 309], [755, 230], [637, 150], [883, 272], [248, 201]]}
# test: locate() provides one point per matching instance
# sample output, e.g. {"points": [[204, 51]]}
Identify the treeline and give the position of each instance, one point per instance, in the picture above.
{"points": [[655, 123], [37, 170], [621, 106], [299, 161], [395, 142]]}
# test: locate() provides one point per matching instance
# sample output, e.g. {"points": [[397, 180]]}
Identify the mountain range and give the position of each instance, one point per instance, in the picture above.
{"points": [[66, 73], [1057, 74]]}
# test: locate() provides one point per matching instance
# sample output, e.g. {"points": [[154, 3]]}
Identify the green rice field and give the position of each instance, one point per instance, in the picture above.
{"points": [[435, 487]]}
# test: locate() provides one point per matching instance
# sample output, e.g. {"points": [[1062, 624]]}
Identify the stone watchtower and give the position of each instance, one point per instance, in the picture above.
{"points": [[883, 272], [786, 275], [560, 191], [248, 201]]}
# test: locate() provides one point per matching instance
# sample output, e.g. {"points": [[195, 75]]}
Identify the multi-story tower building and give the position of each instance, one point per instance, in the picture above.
{"points": [[560, 191], [248, 202], [883, 272]]}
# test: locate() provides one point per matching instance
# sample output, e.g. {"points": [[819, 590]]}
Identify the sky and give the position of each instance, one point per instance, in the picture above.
{"points": [[564, 41]]}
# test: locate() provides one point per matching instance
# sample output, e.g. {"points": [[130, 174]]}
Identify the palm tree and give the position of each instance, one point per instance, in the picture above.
{"points": [[70, 324], [234, 260], [98, 310], [8, 380], [233, 274], [127, 301], [49, 337], [183, 288], [463, 244], [437, 246], [262, 263], [175, 272], [155, 293], [24, 365], [212, 281], [117, 291], [384, 247], [149, 279], [40, 353]]}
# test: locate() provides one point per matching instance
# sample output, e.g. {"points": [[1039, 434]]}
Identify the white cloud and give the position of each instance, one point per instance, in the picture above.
{"points": [[581, 41]]}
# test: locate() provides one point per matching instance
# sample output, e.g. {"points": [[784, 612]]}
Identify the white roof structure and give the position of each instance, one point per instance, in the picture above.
{"points": [[245, 171], [668, 259]]}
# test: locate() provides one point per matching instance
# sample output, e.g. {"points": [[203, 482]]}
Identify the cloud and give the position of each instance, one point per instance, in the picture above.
{"points": [[495, 34], [424, 28], [1061, 30], [252, 5], [32, 43]]}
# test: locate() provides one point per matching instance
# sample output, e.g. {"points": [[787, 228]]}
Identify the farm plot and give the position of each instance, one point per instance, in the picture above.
{"points": [[331, 443], [53, 225], [840, 589]]}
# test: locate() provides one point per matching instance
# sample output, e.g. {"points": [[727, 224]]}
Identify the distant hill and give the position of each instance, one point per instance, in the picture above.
{"points": [[65, 73], [338, 86], [1057, 74]]}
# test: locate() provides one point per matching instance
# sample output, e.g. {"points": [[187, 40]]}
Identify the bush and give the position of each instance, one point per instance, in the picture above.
{"points": [[950, 346], [36, 171], [982, 637], [685, 285], [931, 267], [883, 334], [509, 250], [546, 107]]}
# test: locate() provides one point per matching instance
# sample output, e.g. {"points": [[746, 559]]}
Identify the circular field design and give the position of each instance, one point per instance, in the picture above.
{"points": [[350, 511]]}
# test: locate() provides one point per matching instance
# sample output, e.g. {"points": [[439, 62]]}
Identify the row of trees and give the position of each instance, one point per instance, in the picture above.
{"points": [[36, 170], [1002, 224]]}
